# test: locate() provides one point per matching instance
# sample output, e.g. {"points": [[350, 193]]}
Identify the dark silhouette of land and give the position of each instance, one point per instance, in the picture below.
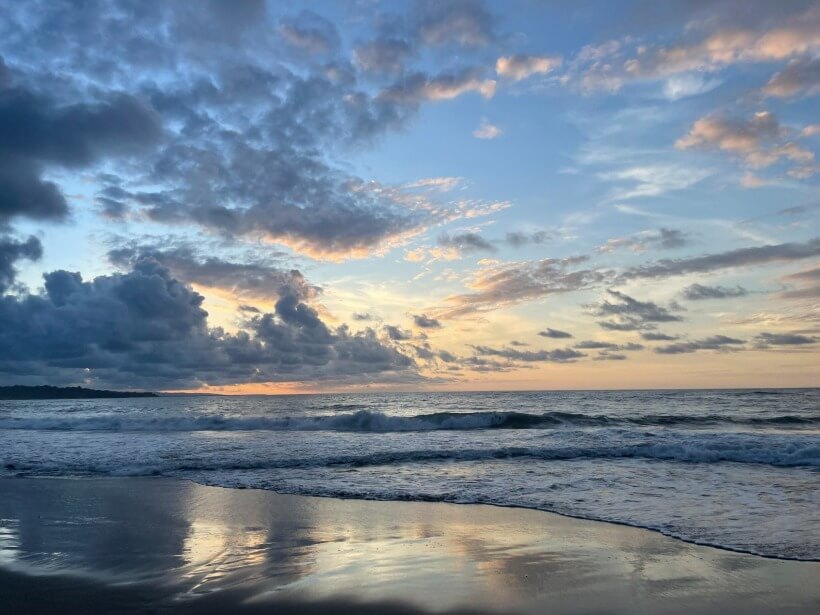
{"points": [[49, 392]]}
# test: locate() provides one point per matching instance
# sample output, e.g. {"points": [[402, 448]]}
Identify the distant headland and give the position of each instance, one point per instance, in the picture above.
{"points": [[49, 392]]}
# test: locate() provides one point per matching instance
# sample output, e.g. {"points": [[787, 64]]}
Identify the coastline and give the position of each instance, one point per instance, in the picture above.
{"points": [[114, 544]]}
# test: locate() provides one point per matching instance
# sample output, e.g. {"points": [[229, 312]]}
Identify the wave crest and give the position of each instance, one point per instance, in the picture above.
{"points": [[368, 421]]}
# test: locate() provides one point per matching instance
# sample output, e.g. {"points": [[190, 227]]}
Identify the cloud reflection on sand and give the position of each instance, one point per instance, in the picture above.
{"points": [[191, 541]]}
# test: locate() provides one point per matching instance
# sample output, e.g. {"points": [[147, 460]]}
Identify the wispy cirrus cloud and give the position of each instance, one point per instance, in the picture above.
{"points": [[742, 257], [662, 238], [497, 285]]}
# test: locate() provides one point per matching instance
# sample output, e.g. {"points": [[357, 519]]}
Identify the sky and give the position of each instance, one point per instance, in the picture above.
{"points": [[268, 197]]}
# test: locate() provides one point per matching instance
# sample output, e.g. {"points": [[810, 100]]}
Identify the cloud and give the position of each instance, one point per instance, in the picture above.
{"points": [[750, 180], [759, 141], [425, 322], [362, 316], [801, 77], [683, 86], [37, 133], [600, 345], [250, 280], [560, 355], [465, 22], [486, 130], [239, 127], [657, 336], [716, 35], [518, 67], [663, 238], [610, 356], [808, 285], [498, 285], [652, 180], [465, 242], [742, 257], [715, 342], [629, 314], [795, 35], [418, 87], [310, 32], [12, 251], [699, 292], [783, 339], [440, 184], [397, 334], [145, 329], [383, 56], [554, 333], [517, 239]]}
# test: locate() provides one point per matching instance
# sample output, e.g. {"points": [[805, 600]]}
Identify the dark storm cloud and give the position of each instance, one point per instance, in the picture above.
{"points": [[425, 322], [363, 316], [12, 251], [247, 279], [145, 329], [715, 342], [559, 355], [629, 314], [23, 192], [466, 242], [765, 339], [74, 135], [699, 292], [742, 257], [37, 132], [554, 333]]}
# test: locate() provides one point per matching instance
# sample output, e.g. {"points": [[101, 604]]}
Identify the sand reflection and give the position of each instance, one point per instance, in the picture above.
{"points": [[191, 540]]}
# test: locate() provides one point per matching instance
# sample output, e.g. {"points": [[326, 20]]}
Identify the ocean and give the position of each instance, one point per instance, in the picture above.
{"points": [[734, 469]]}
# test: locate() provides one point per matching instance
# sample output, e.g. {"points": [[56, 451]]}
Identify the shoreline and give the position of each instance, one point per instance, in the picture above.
{"points": [[635, 526], [178, 545]]}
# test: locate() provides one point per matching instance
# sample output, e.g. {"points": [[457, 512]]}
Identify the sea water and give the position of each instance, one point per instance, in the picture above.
{"points": [[734, 469]]}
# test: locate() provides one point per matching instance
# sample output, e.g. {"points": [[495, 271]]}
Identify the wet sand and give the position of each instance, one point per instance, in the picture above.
{"points": [[130, 545]]}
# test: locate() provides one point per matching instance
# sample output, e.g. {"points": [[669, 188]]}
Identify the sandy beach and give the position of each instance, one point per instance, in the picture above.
{"points": [[156, 544]]}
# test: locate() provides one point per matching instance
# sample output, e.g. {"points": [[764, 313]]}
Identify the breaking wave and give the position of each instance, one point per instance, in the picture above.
{"points": [[368, 421]]}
